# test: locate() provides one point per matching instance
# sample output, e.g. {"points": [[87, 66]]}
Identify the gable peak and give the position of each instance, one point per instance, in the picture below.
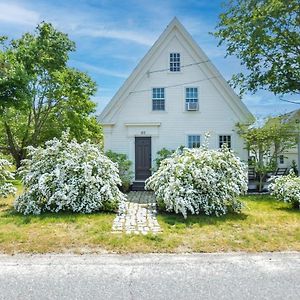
{"points": [[174, 23]]}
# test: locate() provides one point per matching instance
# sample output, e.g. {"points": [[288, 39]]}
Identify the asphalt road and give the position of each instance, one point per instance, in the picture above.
{"points": [[155, 276]]}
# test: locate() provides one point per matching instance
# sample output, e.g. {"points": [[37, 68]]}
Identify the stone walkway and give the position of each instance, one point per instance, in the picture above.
{"points": [[139, 215]]}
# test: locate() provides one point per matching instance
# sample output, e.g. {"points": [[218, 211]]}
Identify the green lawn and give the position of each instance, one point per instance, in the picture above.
{"points": [[266, 225]]}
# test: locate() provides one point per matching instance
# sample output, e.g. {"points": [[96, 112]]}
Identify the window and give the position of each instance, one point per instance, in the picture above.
{"points": [[281, 159], [174, 62], [158, 99], [194, 141], [225, 139], [191, 98]]}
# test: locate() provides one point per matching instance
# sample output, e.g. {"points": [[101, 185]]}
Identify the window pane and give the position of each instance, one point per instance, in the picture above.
{"points": [[194, 141], [225, 139], [191, 96], [158, 99], [175, 62]]}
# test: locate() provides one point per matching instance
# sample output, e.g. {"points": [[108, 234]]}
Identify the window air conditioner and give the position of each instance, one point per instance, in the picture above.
{"points": [[192, 106]]}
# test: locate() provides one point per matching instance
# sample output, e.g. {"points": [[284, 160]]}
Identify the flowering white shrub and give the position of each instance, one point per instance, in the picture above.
{"points": [[200, 180], [66, 175], [286, 188], [6, 188]]}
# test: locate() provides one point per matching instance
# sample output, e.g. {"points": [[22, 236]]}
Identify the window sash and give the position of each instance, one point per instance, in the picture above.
{"points": [[191, 96], [158, 99], [194, 141], [225, 139], [174, 62]]}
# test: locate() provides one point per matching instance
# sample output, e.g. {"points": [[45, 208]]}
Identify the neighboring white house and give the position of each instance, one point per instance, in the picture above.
{"points": [[173, 97], [286, 159]]}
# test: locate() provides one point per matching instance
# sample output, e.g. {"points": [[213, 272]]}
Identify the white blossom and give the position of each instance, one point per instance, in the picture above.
{"points": [[69, 176], [286, 188], [6, 188], [200, 180]]}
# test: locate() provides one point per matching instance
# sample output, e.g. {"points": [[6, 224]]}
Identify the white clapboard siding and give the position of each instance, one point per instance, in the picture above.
{"points": [[130, 114]]}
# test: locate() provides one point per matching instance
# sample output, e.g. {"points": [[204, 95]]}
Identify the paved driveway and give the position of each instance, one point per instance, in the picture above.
{"points": [[193, 276]]}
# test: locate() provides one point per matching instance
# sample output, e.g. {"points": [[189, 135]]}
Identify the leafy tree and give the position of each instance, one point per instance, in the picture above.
{"points": [[265, 36], [41, 95], [13, 79], [266, 143]]}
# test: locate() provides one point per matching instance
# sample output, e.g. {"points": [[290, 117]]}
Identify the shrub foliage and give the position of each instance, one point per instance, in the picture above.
{"points": [[286, 188], [124, 166], [6, 188], [67, 175], [200, 180]]}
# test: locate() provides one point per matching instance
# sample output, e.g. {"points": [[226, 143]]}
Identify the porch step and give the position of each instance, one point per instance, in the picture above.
{"points": [[138, 186]]}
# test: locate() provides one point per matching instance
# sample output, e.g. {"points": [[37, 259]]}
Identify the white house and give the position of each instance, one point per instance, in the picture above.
{"points": [[173, 97], [286, 159]]}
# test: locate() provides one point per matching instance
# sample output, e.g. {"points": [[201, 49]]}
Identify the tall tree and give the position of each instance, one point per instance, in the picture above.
{"points": [[265, 36], [41, 96]]}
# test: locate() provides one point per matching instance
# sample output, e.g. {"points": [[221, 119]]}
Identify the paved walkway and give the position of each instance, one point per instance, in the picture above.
{"points": [[139, 215]]}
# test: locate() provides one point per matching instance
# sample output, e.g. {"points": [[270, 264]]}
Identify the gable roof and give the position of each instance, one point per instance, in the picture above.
{"points": [[238, 106], [290, 116]]}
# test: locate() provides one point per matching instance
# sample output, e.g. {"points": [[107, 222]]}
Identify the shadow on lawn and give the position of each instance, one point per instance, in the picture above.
{"points": [[201, 219], [65, 216], [290, 209]]}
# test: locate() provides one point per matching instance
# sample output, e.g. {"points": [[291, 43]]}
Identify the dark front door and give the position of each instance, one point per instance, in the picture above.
{"points": [[142, 158]]}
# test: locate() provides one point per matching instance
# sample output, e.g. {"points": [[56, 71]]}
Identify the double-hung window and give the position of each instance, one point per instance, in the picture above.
{"points": [[174, 62], [191, 98], [158, 99], [225, 139], [193, 141]]}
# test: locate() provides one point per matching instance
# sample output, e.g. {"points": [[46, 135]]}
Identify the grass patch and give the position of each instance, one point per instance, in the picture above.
{"points": [[265, 225]]}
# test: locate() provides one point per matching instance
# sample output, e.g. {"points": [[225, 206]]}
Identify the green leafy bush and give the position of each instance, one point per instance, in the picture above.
{"points": [[294, 167], [124, 166]]}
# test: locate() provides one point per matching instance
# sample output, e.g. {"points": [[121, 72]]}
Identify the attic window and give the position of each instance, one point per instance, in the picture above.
{"points": [[174, 62]]}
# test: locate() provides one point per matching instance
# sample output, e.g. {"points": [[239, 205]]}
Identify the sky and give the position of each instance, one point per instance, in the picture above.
{"points": [[113, 36]]}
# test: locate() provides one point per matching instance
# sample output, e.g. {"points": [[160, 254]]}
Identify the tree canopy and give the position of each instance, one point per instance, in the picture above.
{"points": [[41, 96], [265, 36]]}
